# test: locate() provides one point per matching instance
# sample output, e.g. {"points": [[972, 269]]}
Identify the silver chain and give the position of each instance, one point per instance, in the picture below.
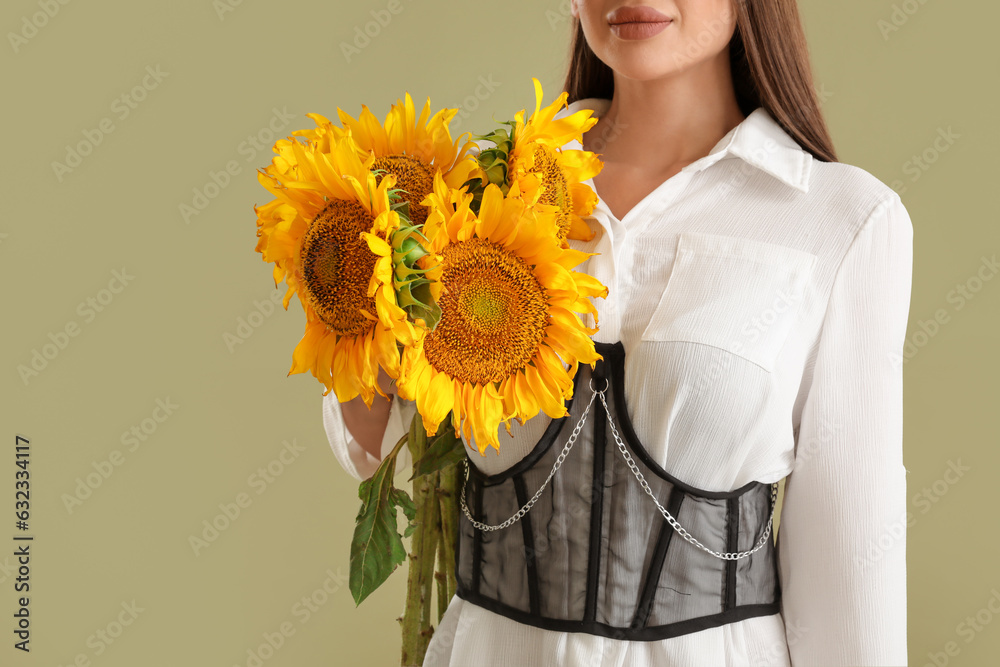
{"points": [[731, 555], [527, 506]]}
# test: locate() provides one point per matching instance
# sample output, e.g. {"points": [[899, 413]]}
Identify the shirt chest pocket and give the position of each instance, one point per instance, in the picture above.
{"points": [[740, 295]]}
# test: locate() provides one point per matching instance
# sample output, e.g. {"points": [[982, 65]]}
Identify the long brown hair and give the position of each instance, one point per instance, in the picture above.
{"points": [[769, 60]]}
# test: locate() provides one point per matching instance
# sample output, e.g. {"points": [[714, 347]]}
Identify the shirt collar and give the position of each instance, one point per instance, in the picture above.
{"points": [[758, 140]]}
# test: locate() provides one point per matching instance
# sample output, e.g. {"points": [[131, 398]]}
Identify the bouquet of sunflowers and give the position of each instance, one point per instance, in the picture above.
{"points": [[450, 269]]}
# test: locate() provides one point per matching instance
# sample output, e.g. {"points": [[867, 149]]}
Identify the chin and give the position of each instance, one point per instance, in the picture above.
{"points": [[641, 61], [641, 69]]}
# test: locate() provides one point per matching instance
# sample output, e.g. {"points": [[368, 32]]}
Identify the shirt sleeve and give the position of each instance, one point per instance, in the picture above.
{"points": [[842, 531], [352, 457]]}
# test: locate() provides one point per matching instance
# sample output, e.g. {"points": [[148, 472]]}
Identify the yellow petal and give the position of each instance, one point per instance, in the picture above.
{"points": [[437, 401], [548, 397], [304, 355], [324, 359]]}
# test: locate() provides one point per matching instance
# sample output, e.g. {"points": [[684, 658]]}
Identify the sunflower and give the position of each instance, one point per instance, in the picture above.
{"points": [[326, 232], [536, 168], [509, 325], [410, 148]]}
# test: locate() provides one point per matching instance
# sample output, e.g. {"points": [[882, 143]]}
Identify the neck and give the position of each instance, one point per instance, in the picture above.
{"points": [[669, 122]]}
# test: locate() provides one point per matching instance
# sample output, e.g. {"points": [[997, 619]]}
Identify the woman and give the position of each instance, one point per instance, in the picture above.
{"points": [[759, 293]]}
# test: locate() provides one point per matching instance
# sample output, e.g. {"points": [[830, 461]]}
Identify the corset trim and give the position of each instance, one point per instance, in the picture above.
{"points": [[648, 633], [477, 541], [531, 565], [666, 533], [732, 544], [597, 503]]}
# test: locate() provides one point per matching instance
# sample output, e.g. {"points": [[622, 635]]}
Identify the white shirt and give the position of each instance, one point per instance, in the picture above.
{"points": [[761, 296]]}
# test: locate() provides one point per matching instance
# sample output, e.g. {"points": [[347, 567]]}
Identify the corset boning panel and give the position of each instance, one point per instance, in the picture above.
{"points": [[594, 554]]}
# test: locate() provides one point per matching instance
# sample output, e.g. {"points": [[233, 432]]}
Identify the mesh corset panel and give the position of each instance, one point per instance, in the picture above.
{"points": [[594, 554]]}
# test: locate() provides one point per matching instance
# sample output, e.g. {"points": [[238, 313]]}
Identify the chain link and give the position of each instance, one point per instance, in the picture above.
{"points": [[527, 506], [732, 555]]}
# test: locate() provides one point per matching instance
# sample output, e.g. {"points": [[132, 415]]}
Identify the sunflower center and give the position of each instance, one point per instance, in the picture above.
{"points": [[555, 188], [412, 175], [337, 266], [493, 313], [485, 306]]}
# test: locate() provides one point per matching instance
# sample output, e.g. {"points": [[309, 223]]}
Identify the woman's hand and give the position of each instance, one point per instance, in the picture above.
{"points": [[368, 425], [386, 383]]}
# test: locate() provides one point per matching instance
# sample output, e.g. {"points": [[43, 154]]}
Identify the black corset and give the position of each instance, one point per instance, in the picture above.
{"points": [[594, 554]]}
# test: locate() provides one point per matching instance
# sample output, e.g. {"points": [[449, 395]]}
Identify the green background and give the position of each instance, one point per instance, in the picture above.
{"points": [[224, 69]]}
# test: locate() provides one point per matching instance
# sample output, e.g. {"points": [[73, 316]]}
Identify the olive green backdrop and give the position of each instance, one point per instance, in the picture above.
{"points": [[131, 134]]}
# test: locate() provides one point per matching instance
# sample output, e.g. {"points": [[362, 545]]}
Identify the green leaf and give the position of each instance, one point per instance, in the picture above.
{"points": [[399, 205], [404, 502], [445, 450], [473, 183], [376, 548]]}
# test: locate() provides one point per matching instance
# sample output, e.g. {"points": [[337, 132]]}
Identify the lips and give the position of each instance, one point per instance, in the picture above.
{"points": [[639, 14], [640, 22]]}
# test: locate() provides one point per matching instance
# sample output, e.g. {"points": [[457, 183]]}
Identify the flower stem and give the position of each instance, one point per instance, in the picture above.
{"points": [[432, 539], [442, 581], [448, 501], [416, 622], [399, 445]]}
